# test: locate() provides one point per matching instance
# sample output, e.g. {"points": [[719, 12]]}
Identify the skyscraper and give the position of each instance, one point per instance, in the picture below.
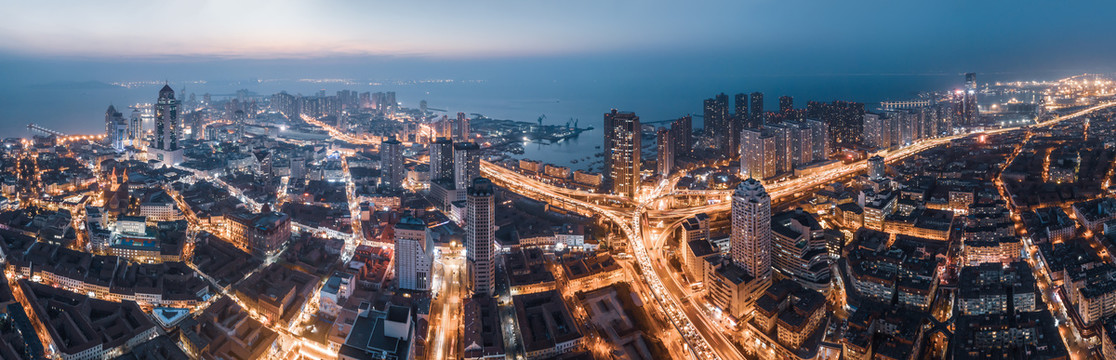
{"points": [[623, 141], [665, 161], [876, 168], [391, 158], [414, 255], [758, 155], [480, 236], [462, 127], [135, 128], [466, 163], [116, 128], [750, 241], [166, 120], [717, 120], [875, 131], [969, 109], [682, 132], [819, 134], [756, 115], [784, 147], [786, 104], [802, 144], [845, 121], [741, 102], [441, 160]]}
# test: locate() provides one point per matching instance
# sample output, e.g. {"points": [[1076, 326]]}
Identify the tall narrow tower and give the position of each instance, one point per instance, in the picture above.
{"points": [[480, 236], [466, 163], [969, 100], [441, 159], [116, 128], [166, 120], [622, 156], [391, 156], [135, 128], [750, 241], [665, 162]]}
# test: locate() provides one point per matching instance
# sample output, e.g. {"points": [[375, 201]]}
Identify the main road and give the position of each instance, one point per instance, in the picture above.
{"points": [[688, 320]]}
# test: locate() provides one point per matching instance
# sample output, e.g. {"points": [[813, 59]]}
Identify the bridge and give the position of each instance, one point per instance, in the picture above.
{"points": [[35, 128]]}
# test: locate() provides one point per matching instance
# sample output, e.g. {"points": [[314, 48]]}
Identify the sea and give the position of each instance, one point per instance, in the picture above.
{"points": [[78, 107]]}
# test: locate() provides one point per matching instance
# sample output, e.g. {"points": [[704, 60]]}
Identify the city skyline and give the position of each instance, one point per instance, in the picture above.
{"points": [[344, 180]]}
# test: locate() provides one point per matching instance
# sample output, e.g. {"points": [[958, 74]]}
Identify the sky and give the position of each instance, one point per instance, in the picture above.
{"points": [[678, 49], [928, 35]]}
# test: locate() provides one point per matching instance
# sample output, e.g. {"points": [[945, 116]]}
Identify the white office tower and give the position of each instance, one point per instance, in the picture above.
{"points": [[750, 241], [480, 236], [414, 255]]}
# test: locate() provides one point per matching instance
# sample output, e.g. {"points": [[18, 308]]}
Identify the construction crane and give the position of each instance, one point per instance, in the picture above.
{"points": [[541, 117]]}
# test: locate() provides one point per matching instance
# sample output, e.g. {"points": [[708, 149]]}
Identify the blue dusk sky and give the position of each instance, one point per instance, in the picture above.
{"points": [[670, 54]]}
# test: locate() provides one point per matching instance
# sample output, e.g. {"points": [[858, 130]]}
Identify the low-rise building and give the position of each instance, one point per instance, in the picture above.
{"points": [[277, 292], [483, 331], [225, 331], [546, 326], [731, 289], [259, 233], [990, 287], [527, 272], [1023, 335], [388, 334], [336, 290], [592, 272], [790, 312], [1093, 213], [83, 328]]}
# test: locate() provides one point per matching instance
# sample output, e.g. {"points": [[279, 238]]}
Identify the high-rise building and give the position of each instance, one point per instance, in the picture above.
{"points": [[392, 170], [802, 144], [750, 241], [741, 102], [876, 168], [784, 147], [969, 109], [756, 114], [819, 134], [717, 120], [466, 163], [480, 232], [622, 153], [135, 128], [876, 131], [758, 158], [116, 128], [665, 162], [844, 120], [682, 132], [441, 160], [786, 104], [462, 127], [799, 248], [166, 120], [414, 255]]}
